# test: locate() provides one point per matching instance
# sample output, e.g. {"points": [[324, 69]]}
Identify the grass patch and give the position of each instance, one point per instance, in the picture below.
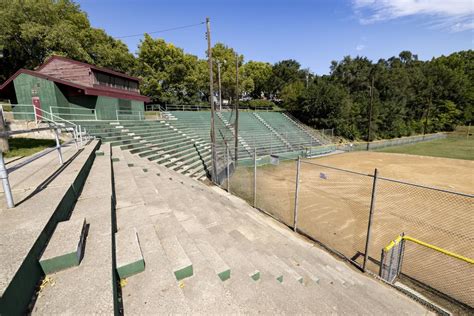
{"points": [[27, 146], [454, 146]]}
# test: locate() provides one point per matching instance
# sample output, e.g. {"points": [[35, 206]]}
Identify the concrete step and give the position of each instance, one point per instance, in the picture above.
{"points": [[65, 248], [128, 253], [70, 290], [24, 236], [182, 266], [154, 291]]}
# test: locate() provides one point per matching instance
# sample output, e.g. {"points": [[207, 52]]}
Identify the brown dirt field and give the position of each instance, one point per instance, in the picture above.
{"points": [[333, 208], [451, 174]]}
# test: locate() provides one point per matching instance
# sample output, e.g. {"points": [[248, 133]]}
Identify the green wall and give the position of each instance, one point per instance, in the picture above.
{"points": [[24, 84], [72, 107]]}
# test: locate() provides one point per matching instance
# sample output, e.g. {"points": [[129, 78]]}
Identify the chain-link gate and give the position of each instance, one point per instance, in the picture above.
{"points": [[391, 260]]}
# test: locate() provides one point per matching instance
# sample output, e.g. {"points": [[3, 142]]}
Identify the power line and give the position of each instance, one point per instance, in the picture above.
{"points": [[164, 30]]}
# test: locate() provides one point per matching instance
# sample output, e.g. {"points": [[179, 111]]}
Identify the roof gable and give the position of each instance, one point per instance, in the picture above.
{"points": [[92, 67], [97, 91]]}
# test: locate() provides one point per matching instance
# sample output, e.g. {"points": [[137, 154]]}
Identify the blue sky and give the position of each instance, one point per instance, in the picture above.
{"points": [[312, 32]]}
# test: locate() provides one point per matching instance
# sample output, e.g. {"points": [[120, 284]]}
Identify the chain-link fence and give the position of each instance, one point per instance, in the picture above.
{"points": [[378, 144], [356, 215]]}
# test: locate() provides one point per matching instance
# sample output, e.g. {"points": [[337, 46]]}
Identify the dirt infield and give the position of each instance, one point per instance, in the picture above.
{"points": [[333, 208], [450, 174]]}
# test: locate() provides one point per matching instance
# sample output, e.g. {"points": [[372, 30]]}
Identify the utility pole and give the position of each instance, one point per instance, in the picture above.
{"points": [[219, 80], [211, 101], [370, 112], [236, 125]]}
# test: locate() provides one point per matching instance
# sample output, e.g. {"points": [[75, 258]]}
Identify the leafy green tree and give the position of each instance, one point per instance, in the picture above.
{"points": [[31, 31], [169, 75], [283, 73], [259, 73]]}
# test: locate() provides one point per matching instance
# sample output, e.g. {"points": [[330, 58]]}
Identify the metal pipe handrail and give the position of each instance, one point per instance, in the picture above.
{"points": [[4, 172], [24, 131], [35, 157], [427, 245]]}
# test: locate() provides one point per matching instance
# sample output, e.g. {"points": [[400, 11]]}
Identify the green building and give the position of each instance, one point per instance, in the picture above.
{"points": [[74, 91]]}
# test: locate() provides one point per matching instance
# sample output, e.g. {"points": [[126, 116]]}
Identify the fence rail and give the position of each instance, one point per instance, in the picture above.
{"points": [[377, 144], [356, 214]]}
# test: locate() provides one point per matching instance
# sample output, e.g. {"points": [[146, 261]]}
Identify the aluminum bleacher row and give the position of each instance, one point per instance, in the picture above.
{"points": [[182, 142]]}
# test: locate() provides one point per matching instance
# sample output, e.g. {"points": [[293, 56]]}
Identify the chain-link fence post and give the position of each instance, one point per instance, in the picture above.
{"points": [[295, 214], [227, 166], [254, 176], [371, 213]]}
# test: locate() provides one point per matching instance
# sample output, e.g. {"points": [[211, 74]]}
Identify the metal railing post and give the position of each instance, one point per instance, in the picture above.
{"points": [[254, 176], [371, 213], [58, 146], [80, 134], [271, 145], [297, 189], [227, 166], [95, 114], [6, 183], [74, 135]]}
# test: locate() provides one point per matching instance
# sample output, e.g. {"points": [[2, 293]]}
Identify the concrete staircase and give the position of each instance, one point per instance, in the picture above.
{"points": [[209, 252], [26, 228], [150, 240]]}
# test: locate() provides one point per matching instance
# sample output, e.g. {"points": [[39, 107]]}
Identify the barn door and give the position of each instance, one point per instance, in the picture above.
{"points": [[37, 108]]}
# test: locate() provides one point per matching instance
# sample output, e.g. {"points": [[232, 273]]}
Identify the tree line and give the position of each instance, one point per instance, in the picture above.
{"points": [[402, 94]]}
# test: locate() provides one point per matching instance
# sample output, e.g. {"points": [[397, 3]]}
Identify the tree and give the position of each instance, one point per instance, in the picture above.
{"points": [[284, 73], [170, 76], [31, 31], [259, 73]]}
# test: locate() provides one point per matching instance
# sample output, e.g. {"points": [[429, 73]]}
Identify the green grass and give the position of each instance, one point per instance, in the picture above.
{"points": [[27, 146], [456, 146]]}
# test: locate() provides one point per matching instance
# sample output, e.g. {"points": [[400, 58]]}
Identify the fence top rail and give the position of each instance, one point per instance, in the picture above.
{"points": [[392, 180], [427, 187], [338, 169], [427, 245]]}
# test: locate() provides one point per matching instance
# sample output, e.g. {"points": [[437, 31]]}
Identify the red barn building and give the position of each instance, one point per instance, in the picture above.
{"points": [[74, 90]]}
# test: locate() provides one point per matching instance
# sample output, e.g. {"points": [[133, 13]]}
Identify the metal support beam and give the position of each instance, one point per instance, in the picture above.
{"points": [[371, 213], [211, 101], [295, 214], [254, 176]]}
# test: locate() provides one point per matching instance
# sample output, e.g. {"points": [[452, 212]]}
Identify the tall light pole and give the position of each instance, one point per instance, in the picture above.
{"points": [[236, 125], [211, 101], [219, 81]]}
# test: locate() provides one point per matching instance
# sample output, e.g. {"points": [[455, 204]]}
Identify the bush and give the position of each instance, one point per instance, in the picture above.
{"points": [[258, 104]]}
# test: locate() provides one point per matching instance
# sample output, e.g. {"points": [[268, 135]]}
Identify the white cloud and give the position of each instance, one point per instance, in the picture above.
{"points": [[360, 47], [455, 15]]}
